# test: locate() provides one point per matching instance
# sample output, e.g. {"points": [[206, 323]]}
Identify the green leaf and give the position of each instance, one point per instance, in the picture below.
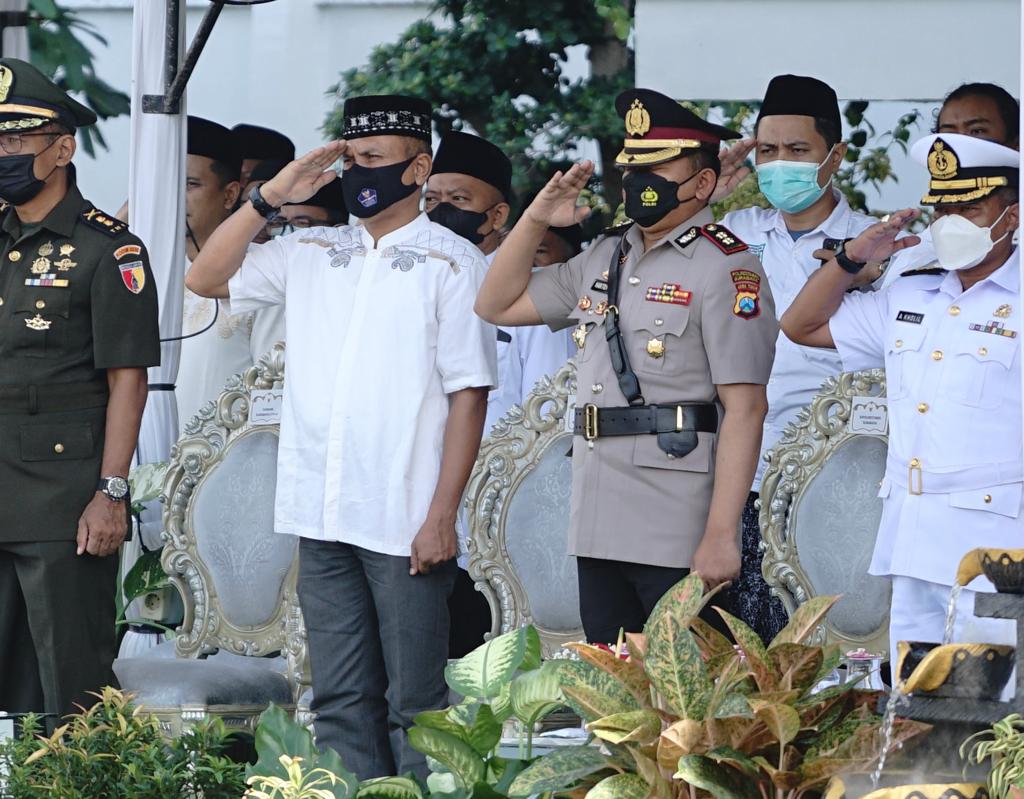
{"points": [[390, 788], [454, 754], [753, 650], [676, 668], [145, 575], [736, 759], [804, 621], [681, 602], [483, 672], [593, 693], [536, 693], [620, 786], [485, 733], [628, 672], [782, 720], [561, 769], [721, 781], [442, 720], [639, 726]]}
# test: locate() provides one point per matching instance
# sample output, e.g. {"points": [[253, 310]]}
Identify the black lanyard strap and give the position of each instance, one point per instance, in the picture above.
{"points": [[629, 384]]}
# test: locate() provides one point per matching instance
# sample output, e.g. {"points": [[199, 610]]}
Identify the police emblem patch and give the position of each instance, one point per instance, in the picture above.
{"points": [[368, 198], [133, 275], [748, 291]]}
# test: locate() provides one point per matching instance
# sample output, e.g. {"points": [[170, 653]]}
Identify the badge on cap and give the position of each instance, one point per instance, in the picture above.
{"points": [[134, 276], [6, 82], [638, 120], [942, 161]]}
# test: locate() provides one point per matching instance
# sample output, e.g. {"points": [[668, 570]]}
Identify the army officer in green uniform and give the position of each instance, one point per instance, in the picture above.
{"points": [[78, 327]]}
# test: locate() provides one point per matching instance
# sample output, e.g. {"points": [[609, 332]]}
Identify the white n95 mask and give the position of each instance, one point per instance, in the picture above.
{"points": [[961, 244]]}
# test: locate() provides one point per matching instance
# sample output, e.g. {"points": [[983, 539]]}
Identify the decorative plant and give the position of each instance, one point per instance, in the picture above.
{"points": [[1003, 745], [115, 750], [688, 710], [313, 784]]}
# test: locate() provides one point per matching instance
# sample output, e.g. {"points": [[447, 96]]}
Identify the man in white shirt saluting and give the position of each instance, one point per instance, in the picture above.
{"points": [[388, 372]]}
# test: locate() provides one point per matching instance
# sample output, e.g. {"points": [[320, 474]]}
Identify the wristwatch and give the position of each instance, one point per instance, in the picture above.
{"points": [[261, 206], [847, 263], [115, 488]]}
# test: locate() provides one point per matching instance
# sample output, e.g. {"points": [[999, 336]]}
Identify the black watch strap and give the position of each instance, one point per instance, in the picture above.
{"points": [[259, 203], [847, 263]]}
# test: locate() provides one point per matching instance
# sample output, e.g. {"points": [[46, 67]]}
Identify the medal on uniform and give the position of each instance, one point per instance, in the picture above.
{"points": [[584, 303], [40, 266], [46, 250], [1003, 311], [38, 323], [64, 264], [579, 335], [601, 307], [67, 249], [656, 348]]}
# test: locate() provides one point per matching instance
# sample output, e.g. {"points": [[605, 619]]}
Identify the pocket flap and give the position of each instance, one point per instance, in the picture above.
{"points": [[45, 301], [646, 452], [56, 442], [1001, 499], [988, 348], [659, 318], [906, 337]]}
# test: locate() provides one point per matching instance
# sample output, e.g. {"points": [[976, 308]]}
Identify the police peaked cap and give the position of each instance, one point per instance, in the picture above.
{"points": [[464, 154]]}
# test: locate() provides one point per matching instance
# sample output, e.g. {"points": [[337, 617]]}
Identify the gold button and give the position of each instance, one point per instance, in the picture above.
{"points": [[982, 351], [899, 342], [937, 355], [40, 304], [954, 310], [1, 300], [922, 407], [58, 448], [14, 255], [988, 498], [915, 463]]}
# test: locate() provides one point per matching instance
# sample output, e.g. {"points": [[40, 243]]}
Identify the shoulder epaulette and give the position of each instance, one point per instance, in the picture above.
{"points": [[925, 270], [95, 218], [688, 238], [722, 237], [619, 229]]}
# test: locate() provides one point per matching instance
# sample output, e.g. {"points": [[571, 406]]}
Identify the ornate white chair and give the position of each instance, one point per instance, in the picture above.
{"points": [[518, 509], [242, 644], [820, 509]]}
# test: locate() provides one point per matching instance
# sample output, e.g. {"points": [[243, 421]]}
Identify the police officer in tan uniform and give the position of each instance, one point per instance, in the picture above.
{"points": [[676, 332], [78, 327]]}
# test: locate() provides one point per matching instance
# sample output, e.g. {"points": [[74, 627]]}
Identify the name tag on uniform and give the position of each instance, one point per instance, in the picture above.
{"points": [[600, 285], [910, 316]]}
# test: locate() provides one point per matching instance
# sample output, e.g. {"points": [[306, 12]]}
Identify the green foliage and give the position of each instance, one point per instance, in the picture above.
{"points": [[56, 47], [1003, 745], [737, 723], [114, 750]]}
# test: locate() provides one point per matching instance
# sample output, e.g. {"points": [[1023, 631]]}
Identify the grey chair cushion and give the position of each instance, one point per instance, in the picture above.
{"points": [[171, 682]]}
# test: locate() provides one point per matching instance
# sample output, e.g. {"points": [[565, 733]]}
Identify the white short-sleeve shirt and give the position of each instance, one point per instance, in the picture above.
{"points": [[952, 361], [798, 371], [378, 336]]}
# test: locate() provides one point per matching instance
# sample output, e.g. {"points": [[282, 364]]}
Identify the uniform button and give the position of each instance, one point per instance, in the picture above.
{"points": [[58, 448], [922, 407], [954, 310], [899, 342], [988, 498], [14, 255], [634, 281], [597, 388], [659, 322], [1, 300], [40, 304], [982, 351], [937, 355], [915, 463]]}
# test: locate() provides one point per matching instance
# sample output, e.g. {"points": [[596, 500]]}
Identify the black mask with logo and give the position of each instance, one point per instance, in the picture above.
{"points": [[650, 197], [460, 221], [370, 190]]}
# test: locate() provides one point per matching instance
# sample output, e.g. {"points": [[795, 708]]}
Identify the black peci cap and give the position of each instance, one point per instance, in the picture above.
{"points": [[801, 96], [465, 154], [329, 197], [263, 144], [386, 115], [214, 141]]}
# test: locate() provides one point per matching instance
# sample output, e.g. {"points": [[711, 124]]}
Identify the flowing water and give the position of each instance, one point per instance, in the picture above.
{"points": [[954, 596], [896, 699]]}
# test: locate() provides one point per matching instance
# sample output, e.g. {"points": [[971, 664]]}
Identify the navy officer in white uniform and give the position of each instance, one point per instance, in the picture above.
{"points": [[949, 337]]}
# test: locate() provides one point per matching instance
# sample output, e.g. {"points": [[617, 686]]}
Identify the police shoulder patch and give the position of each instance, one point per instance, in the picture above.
{"points": [[95, 218], [723, 238], [688, 238], [925, 270]]}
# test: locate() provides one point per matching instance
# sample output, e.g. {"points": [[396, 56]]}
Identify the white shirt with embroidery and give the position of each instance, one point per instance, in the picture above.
{"points": [[798, 372], [378, 337], [953, 480]]}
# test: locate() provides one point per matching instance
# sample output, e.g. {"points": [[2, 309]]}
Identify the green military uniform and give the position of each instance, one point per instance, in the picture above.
{"points": [[76, 298]]}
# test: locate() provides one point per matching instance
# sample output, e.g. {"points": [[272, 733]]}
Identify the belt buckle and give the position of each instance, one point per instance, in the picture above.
{"points": [[915, 466], [590, 421]]}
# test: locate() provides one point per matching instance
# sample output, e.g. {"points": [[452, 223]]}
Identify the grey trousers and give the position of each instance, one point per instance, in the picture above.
{"points": [[378, 646]]}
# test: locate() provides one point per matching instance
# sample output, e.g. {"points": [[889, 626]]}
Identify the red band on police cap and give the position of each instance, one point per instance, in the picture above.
{"points": [[681, 133]]}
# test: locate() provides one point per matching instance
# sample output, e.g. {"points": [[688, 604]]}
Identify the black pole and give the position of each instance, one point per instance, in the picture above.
{"points": [[11, 19], [176, 80]]}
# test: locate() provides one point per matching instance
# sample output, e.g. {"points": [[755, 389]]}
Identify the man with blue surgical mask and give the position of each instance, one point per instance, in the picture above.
{"points": [[797, 154], [949, 338]]}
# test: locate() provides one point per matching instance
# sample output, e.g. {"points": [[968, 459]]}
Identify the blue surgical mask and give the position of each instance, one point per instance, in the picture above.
{"points": [[791, 186]]}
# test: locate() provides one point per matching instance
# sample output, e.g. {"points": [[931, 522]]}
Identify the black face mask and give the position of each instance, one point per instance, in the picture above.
{"points": [[459, 221], [650, 197], [369, 190], [18, 181]]}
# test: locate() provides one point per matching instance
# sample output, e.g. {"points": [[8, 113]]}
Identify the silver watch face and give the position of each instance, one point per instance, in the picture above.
{"points": [[117, 487]]}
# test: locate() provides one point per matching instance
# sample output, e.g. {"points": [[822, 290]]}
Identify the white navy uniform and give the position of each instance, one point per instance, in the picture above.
{"points": [[953, 480]]}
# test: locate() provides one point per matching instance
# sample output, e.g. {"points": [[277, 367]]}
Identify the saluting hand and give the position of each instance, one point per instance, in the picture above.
{"points": [[555, 204], [102, 527], [879, 242], [733, 170], [305, 176]]}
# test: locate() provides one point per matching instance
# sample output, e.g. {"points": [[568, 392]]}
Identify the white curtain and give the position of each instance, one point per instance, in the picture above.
{"points": [[15, 42], [156, 207]]}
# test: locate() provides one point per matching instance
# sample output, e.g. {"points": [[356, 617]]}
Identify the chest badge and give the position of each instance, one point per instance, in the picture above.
{"points": [[40, 266], [602, 308], [672, 293], [38, 323], [579, 335], [995, 328], [46, 250], [584, 303], [656, 348], [66, 249], [1003, 311], [65, 264]]}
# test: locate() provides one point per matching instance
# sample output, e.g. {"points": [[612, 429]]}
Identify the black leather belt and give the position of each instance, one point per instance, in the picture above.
{"points": [[54, 397], [593, 422]]}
